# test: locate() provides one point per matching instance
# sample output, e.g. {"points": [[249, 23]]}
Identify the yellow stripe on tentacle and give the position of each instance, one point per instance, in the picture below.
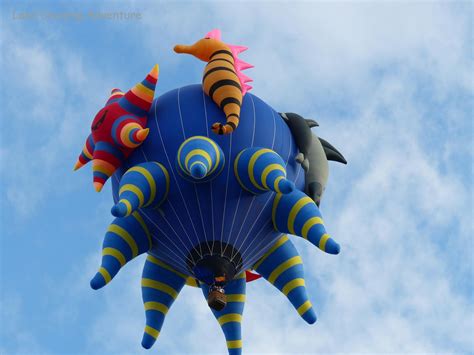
{"points": [[308, 224], [231, 317], [195, 152], [135, 189], [294, 211], [156, 306], [235, 298], [283, 267], [152, 331], [304, 307], [251, 166], [270, 168], [105, 274], [122, 233], [270, 251], [158, 262], [160, 287], [144, 185], [117, 254], [149, 179], [234, 344], [291, 285]]}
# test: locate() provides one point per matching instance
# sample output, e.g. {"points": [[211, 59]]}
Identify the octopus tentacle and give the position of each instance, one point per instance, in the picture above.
{"points": [[161, 285], [297, 214], [126, 238], [282, 266], [230, 317]]}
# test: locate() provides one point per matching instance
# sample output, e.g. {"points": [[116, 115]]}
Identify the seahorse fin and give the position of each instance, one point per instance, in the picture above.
{"points": [[244, 78], [215, 34], [237, 49], [241, 65], [246, 88]]}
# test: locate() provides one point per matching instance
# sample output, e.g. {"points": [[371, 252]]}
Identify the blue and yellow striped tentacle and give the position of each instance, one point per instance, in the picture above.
{"points": [[259, 170], [283, 268], [230, 317], [200, 159], [161, 285], [297, 214], [144, 185], [126, 238]]}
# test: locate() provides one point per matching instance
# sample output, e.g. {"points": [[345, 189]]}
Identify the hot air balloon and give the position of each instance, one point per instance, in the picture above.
{"points": [[210, 210]]}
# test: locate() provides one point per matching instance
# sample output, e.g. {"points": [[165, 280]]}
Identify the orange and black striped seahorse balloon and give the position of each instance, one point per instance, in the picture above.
{"points": [[223, 80]]}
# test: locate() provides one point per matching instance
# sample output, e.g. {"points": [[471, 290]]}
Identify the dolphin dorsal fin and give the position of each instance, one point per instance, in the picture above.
{"points": [[331, 152]]}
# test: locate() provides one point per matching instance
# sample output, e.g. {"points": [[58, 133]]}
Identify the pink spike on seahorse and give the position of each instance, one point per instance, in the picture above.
{"points": [[237, 49], [244, 78], [241, 65], [246, 88], [215, 34]]}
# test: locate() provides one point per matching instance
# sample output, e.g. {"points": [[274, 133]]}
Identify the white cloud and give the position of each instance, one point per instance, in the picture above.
{"points": [[48, 103], [308, 50], [14, 331]]}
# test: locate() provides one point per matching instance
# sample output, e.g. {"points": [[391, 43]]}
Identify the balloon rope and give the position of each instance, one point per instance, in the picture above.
{"points": [[169, 224], [260, 241], [274, 128], [271, 195], [210, 183], [186, 247], [245, 218], [233, 220], [229, 164], [256, 257], [273, 146], [169, 239], [254, 121], [172, 261], [184, 138], [202, 219], [240, 195], [177, 184], [254, 223]]}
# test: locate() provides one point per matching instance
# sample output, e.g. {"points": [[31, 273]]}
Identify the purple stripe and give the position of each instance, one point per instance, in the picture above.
{"points": [[148, 85], [107, 147], [100, 175], [130, 136], [129, 107]]}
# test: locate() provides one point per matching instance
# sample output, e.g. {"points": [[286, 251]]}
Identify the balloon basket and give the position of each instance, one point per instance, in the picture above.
{"points": [[217, 299]]}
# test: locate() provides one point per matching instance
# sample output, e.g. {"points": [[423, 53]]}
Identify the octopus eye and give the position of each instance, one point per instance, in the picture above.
{"points": [[100, 121]]}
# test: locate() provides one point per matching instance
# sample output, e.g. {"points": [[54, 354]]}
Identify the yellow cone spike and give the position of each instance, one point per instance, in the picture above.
{"points": [[98, 186], [155, 71], [78, 165], [142, 134]]}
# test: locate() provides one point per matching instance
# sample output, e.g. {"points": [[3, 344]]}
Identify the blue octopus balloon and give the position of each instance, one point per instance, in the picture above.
{"points": [[208, 203]]}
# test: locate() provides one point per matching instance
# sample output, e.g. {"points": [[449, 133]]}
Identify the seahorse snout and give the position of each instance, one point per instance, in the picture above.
{"points": [[181, 48], [202, 49]]}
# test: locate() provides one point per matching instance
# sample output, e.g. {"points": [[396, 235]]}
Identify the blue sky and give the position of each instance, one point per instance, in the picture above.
{"points": [[391, 86]]}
